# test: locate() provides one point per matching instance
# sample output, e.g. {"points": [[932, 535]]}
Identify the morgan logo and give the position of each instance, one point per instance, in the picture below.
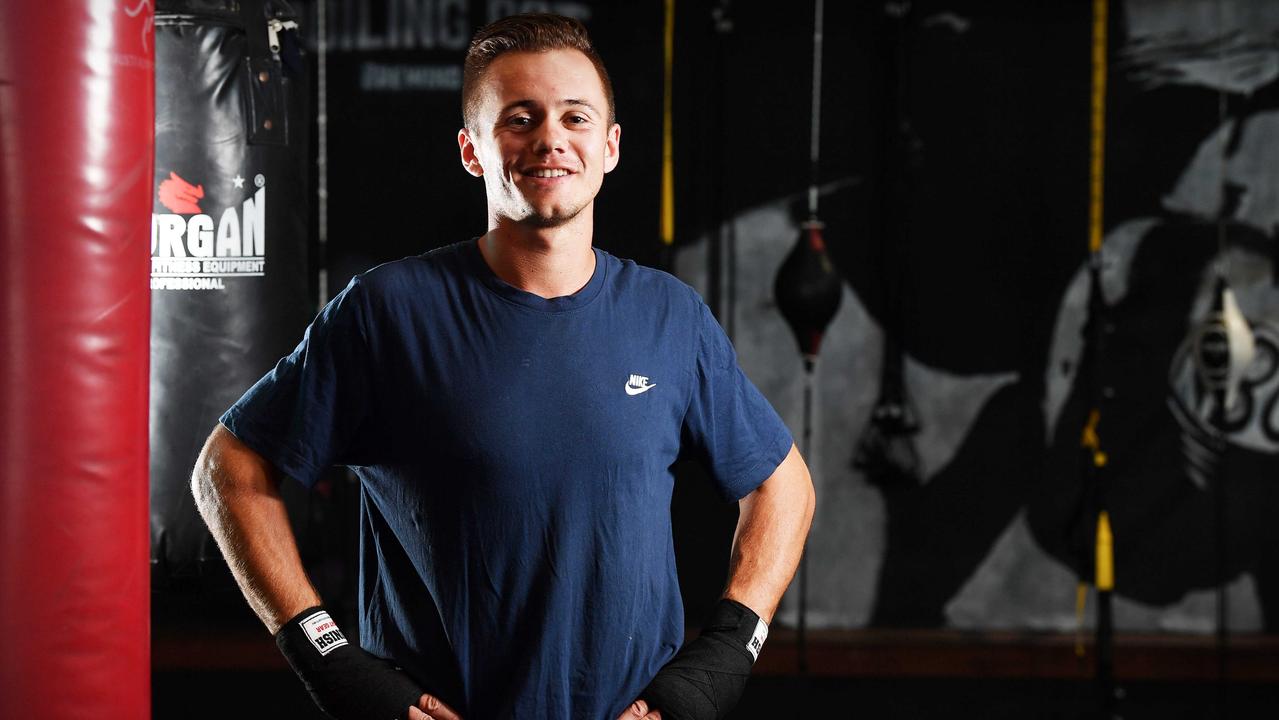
{"points": [[196, 250], [180, 196], [323, 632]]}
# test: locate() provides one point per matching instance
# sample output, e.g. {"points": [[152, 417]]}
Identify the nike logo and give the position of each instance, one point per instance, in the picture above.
{"points": [[638, 384]]}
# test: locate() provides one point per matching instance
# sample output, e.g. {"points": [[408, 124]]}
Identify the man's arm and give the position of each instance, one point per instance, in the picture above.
{"points": [[237, 492], [769, 541]]}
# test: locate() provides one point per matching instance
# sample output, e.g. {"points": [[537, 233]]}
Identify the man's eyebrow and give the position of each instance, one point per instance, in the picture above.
{"points": [[516, 104], [582, 103], [529, 104]]}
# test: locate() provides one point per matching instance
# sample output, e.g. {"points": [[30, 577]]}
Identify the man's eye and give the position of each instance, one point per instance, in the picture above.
{"points": [[519, 121], [578, 119]]}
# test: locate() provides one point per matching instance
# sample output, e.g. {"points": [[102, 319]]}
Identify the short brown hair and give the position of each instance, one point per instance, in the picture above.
{"points": [[529, 32]]}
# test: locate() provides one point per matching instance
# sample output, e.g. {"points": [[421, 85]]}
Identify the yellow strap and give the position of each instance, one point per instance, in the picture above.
{"points": [[1090, 440], [668, 161], [1081, 602], [1097, 144], [1105, 557], [1105, 554]]}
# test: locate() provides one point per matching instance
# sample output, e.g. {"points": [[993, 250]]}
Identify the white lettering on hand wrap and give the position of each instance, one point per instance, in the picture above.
{"points": [[322, 632], [757, 640]]}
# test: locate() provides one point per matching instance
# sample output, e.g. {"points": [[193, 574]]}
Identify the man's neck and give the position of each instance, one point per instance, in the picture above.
{"points": [[547, 262]]}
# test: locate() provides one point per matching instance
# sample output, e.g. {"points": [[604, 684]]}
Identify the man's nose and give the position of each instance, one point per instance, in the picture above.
{"points": [[549, 138]]}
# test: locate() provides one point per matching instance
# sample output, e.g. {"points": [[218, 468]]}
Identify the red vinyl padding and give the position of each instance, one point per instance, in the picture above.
{"points": [[76, 154]]}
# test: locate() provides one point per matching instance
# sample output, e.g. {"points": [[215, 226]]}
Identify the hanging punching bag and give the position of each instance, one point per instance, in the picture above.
{"points": [[229, 282], [76, 84], [808, 290]]}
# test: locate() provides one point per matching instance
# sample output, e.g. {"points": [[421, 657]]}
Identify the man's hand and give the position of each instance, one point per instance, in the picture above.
{"points": [[348, 682], [432, 708], [637, 711]]}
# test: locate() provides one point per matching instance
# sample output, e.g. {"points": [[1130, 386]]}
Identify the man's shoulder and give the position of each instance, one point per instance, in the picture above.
{"points": [[412, 274], [650, 283]]}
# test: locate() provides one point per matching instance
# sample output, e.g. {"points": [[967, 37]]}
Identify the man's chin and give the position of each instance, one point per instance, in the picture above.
{"points": [[551, 219]]}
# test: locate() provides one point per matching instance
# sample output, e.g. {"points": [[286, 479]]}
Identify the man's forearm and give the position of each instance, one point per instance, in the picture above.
{"points": [[766, 550], [770, 536], [237, 493]]}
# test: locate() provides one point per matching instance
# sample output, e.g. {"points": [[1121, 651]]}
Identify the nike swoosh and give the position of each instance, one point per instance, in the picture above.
{"points": [[631, 390]]}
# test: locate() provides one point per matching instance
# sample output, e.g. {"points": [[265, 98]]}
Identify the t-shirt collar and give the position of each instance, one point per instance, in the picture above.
{"points": [[505, 290]]}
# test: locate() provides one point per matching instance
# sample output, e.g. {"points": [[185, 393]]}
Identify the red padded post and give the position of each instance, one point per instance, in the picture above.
{"points": [[76, 154]]}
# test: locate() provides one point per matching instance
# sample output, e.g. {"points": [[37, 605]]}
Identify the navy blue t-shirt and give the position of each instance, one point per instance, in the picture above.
{"points": [[514, 455]]}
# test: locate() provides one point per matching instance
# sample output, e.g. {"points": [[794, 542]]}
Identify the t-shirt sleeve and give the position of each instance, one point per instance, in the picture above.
{"points": [[737, 433], [305, 413]]}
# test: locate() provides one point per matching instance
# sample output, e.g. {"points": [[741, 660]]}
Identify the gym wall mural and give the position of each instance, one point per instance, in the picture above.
{"points": [[1191, 470], [953, 183], [971, 310]]}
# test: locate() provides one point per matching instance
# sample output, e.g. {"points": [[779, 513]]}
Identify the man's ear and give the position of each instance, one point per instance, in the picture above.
{"points": [[466, 146], [613, 148]]}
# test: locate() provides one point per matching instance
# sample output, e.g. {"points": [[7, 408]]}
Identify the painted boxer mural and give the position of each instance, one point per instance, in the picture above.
{"points": [[988, 293]]}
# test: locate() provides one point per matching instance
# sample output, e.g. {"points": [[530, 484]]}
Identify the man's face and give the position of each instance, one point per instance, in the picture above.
{"points": [[542, 140]]}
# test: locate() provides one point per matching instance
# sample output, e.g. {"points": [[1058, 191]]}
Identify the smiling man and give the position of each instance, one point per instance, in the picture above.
{"points": [[513, 405]]}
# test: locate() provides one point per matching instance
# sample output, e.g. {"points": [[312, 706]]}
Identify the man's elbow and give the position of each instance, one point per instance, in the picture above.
{"points": [[204, 488], [807, 492], [225, 468]]}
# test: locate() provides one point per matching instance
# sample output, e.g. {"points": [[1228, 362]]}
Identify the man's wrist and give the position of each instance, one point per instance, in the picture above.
{"points": [[344, 680], [311, 628], [706, 677], [738, 623]]}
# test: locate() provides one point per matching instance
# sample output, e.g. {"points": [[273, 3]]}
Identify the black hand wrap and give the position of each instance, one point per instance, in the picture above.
{"points": [[706, 677], [344, 681]]}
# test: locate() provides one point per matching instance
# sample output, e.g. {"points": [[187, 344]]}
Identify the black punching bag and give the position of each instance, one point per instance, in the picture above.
{"points": [[808, 290], [229, 274]]}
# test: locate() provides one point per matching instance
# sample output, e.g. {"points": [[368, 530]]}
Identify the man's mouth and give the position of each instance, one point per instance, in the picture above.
{"points": [[546, 172]]}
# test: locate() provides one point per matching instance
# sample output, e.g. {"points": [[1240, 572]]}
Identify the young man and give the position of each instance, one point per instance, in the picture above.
{"points": [[512, 406]]}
